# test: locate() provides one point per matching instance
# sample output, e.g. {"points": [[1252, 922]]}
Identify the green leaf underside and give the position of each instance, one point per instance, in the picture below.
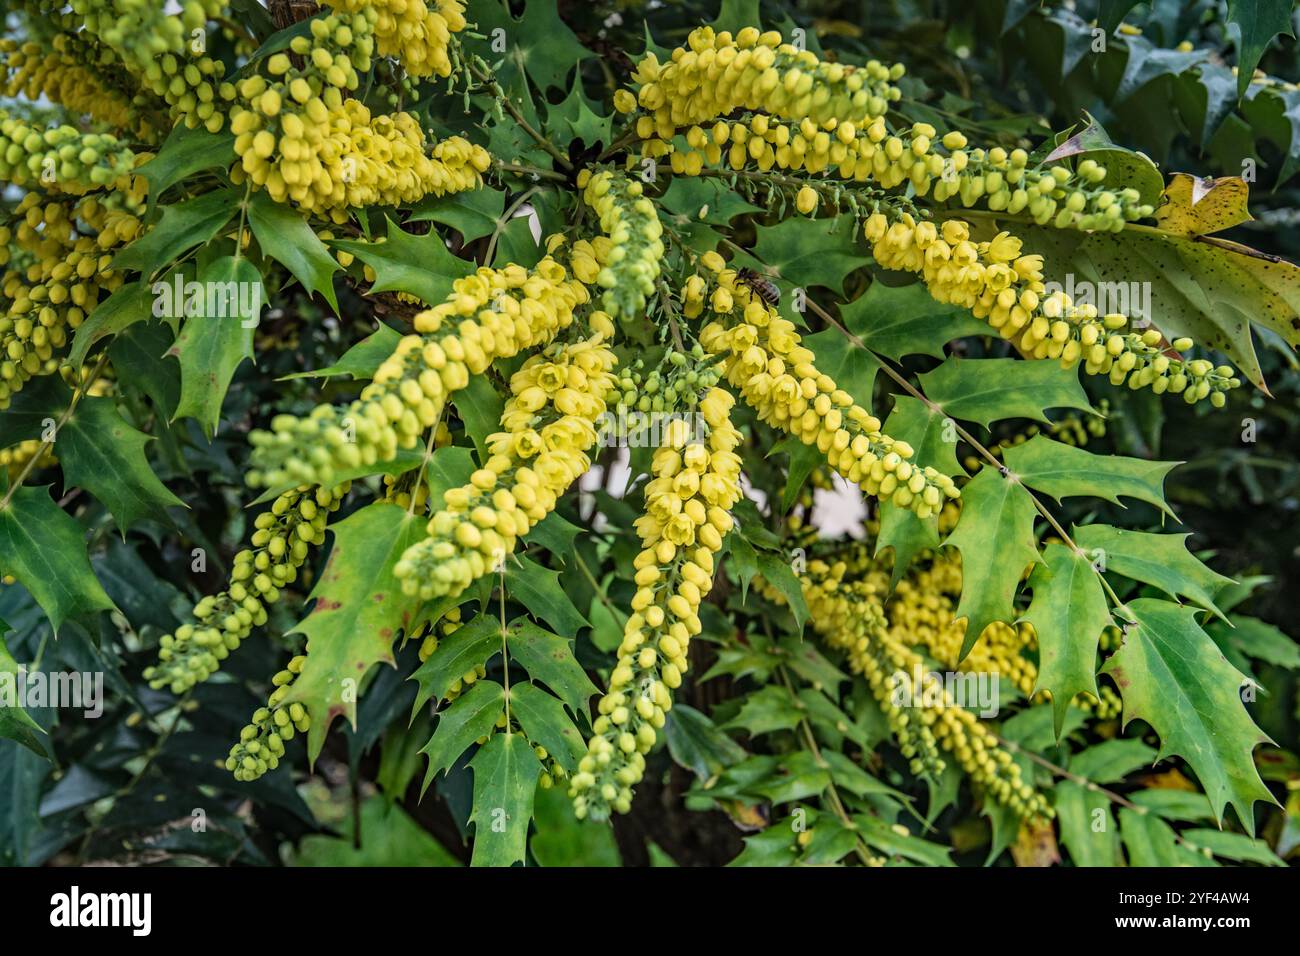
{"points": [[1172, 675], [995, 536], [1069, 613], [285, 237], [505, 782], [421, 266], [988, 390], [1161, 560], [211, 348], [44, 548], [1064, 471], [359, 610], [467, 718], [549, 658]]}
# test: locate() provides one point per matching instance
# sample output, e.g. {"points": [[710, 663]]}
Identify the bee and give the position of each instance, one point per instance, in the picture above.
{"points": [[761, 286]]}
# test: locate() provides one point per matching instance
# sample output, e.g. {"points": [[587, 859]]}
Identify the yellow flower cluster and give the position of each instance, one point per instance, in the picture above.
{"points": [[280, 544], [14, 459], [500, 311], [299, 137], [1006, 288], [60, 158], [850, 618], [716, 74], [548, 426], [261, 743], [165, 50], [779, 378], [629, 220], [66, 72], [688, 512], [416, 32], [63, 275]]}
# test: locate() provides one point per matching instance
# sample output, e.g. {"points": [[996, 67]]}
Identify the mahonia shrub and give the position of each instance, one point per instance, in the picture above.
{"points": [[481, 376]]}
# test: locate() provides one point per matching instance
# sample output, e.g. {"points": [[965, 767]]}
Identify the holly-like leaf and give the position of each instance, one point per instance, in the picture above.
{"points": [[1232, 846], [1125, 168], [1171, 675], [465, 649], [362, 360], [803, 252], [1078, 810], [576, 118], [1256, 23], [538, 44], [779, 574], [474, 214], [543, 718], [995, 536], [853, 367], [129, 304], [987, 390], [1146, 62], [934, 443], [421, 266], [186, 151], [538, 589], [696, 743], [285, 236], [1068, 612], [905, 320], [768, 709], [211, 347], [1161, 560], [1112, 760], [505, 782], [480, 406], [359, 609], [1064, 471], [183, 226], [15, 723], [44, 548], [549, 658], [100, 452], [1149, 841], [1251, 637], [470, 716], [803, 460]]}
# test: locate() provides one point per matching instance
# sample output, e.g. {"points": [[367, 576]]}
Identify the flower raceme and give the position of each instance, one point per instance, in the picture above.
{"points": [[717, 73], [283, 539], [417, 32], [302, 139], [687, 514], [629, 221], [849, 616], [1005, 287], [500, 311], [779, 378], [548, 427]]}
